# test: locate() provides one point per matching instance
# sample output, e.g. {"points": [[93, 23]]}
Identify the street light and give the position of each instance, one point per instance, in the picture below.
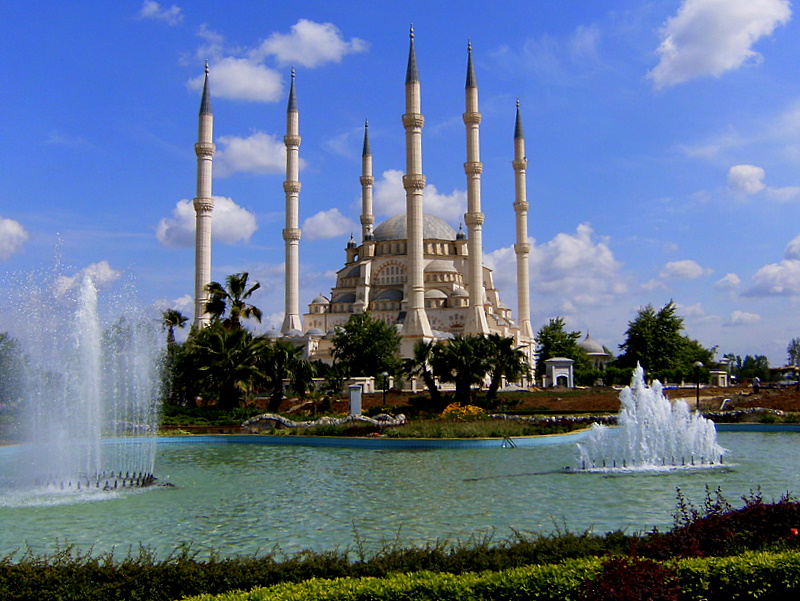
{"points": [[385, 385], [698, 365]]}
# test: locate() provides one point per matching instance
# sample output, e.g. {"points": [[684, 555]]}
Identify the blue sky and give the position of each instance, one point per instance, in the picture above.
{"points": [[663, 140]]}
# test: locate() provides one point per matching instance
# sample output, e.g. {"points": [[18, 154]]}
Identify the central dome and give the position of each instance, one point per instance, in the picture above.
{"points": [[433, 228]]}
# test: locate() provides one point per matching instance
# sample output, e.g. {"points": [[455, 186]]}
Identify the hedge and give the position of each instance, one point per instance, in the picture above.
{"points": [[752, 575]]}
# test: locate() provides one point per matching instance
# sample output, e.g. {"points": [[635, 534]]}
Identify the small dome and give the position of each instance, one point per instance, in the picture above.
{"points": [[315, 332], [435, 293], [591, 346], [320, 300], [459, 293], [352, 243], [461, 235], [273, 333], [433, 228]]}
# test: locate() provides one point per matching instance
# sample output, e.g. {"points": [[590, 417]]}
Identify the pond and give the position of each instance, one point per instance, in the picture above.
{"points": [[237, 499]]}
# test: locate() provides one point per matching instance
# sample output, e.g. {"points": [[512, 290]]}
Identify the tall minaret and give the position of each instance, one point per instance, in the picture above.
{"points": [[203, 206], [416, 324], [522, 248], [367, 180], [476, 313], [291, 234]]}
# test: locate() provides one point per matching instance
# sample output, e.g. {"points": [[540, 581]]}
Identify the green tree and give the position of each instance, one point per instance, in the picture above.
{"points": [[11, 370], [366, 346], [463, 361], [506, 359], [231, 301], [171, 319], [793, 351], [653, 339], [753, 367], [554, 341], [418, 366]]}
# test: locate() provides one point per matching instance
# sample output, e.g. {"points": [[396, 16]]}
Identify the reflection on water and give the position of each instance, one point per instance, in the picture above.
{"points": [[244, 499]]}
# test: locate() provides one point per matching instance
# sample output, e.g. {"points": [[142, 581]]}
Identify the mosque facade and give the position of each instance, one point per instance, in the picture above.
{"points": [[413, 270]]}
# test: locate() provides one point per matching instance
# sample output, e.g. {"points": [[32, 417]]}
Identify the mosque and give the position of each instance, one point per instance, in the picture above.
{"points": [[413, 270]]}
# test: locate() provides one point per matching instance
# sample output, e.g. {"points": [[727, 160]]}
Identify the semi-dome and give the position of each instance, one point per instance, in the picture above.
{"points": [[390, 294], [433, 228], [440, 266], [316, 332], [435, 293], [459, 293]]}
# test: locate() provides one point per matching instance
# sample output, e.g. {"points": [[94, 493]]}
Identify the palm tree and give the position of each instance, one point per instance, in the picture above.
{"points": [[229, 362], [419, 366], [282, 361], [507, 360], [232, 298], [464, 360], [171, 319]]}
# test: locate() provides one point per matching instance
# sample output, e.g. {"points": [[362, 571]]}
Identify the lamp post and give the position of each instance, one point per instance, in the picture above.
{"points": [[385, 385], [698, 365]]}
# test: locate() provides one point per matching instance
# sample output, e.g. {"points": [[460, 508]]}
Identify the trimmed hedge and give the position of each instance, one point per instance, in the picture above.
{"points": [[757, 575]]}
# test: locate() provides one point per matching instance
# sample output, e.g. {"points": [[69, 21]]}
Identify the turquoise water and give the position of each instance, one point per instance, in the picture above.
{"points": [[246, 498]]}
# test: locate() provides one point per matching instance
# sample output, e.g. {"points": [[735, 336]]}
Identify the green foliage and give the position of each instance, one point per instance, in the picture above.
{"points": [[793, 352], [554, 341], [366, 346], [749, 368], [418, 366], [654, 340]]}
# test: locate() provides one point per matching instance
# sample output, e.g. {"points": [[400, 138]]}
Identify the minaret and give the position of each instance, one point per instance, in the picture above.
{"points": [[203, 206], [367, 180], [522, 248], [476, 313], [291, 234], [416, 323]]}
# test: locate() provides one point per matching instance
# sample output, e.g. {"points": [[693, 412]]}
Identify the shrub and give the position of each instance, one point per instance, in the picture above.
{"points": [[632, 579], [463, 413]]}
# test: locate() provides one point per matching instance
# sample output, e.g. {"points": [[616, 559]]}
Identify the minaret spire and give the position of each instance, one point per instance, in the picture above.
{"points": [[416, 323], [367, 181], [476, 314], [522, 248], [203, 205], [291, 234]]}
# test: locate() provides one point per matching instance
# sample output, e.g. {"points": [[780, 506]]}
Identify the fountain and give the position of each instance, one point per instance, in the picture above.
{"points": [[652, 433], [86, 405]]}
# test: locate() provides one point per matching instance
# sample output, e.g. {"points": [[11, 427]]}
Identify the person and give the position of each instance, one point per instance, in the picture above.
{"points": [[756, 382]]}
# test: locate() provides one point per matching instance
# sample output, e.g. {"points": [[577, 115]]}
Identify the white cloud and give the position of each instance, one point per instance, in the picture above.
{"points": [[241, 79], [309, 44], [683, 270], [731, 281], [746, 179], [779, 279], [390, 198], [153, 10], [742, 318], [710, 37], [577, 269], [328, 224], [12, 237], [258, 153], [230, 223]]}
